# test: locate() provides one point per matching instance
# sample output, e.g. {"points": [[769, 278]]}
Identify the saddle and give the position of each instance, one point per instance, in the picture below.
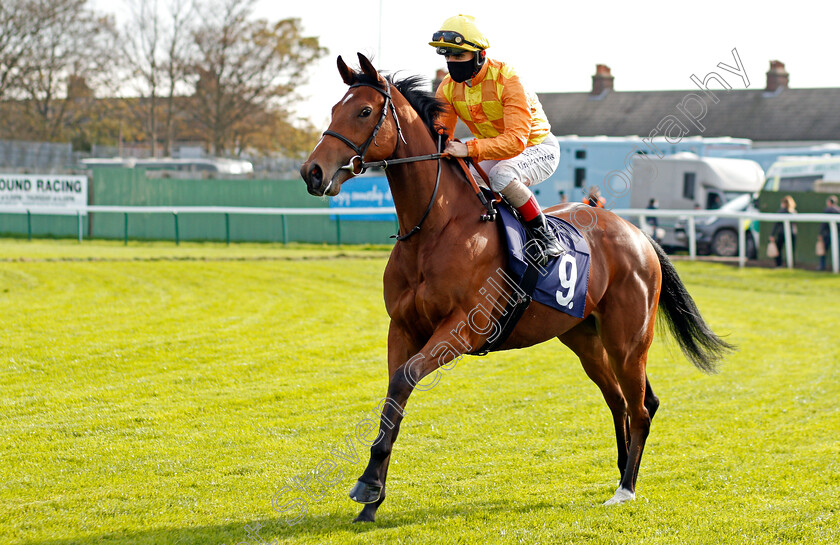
{"points": [[561, 284]]}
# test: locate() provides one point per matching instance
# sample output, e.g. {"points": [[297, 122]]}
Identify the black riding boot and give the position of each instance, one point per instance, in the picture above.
{"points": [[547, 245]]}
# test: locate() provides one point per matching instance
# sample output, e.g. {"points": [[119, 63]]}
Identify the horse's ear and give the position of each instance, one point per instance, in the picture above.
{"points": [[346, 73], [367, 67]]}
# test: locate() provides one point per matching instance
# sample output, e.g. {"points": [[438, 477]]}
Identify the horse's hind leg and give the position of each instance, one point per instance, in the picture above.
{"points": [[651, 401], [627, 338], [584, 341]]}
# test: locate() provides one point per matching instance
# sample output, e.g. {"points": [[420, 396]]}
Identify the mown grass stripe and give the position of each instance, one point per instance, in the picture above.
{"points": [[168, 400]]}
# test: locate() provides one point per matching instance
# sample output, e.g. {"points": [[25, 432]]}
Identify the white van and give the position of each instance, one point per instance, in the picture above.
{"points": [[220, 165], [684, 181], [821, 174]]}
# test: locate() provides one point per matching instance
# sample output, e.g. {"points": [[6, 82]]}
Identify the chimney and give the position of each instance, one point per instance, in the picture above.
{"points": [[602, 81], [777, 77], [439, 75]]}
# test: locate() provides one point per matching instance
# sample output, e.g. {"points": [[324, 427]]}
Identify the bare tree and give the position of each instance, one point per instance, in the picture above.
{"points": [[244, 68], [154, 45], [214, 73], [71, 44], [17, 25], [142, 52], [177, 46]]}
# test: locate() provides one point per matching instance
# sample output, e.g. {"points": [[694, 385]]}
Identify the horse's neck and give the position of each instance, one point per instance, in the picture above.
{"points": [[413, 184]]}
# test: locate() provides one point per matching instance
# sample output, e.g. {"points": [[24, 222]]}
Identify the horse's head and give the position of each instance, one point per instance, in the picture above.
{"points": [[359, 131]]}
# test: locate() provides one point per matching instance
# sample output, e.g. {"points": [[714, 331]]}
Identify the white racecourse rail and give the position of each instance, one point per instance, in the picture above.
{"points": [[641, 214]]}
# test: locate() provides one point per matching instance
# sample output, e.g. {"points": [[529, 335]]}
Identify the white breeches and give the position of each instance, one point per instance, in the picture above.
{"points": [[532, 166]]}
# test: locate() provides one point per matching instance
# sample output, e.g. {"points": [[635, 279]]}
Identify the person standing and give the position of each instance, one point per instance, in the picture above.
{"points": [[513, 141], [653, 221], [594, 198], [788, 207], [825, 231]]}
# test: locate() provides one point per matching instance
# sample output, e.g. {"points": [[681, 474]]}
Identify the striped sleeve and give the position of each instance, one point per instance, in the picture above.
{"points": [[448, 118], [515, 124]]}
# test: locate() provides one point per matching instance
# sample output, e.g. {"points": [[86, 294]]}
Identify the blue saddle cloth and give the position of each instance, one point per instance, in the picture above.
{"points": [[563, 282]]}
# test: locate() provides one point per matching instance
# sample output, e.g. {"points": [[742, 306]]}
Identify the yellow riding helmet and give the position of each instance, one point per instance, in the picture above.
{"points": [[459, 33]]}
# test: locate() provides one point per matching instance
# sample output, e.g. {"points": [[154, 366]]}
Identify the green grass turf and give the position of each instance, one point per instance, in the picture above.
{"points": [[162, 394]]}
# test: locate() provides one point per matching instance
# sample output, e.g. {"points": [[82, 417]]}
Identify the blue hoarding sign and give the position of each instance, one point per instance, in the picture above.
{"points": [[365, 192]]}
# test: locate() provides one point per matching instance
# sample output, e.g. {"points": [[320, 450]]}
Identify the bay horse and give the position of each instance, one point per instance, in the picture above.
{"points": [[433, 282]]}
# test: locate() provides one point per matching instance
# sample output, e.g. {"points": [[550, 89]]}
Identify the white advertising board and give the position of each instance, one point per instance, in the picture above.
{"points": [[64, 193]]}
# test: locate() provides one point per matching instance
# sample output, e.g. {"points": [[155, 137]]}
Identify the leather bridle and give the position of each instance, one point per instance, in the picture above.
{"points": [[362, 150], [357, 164]]}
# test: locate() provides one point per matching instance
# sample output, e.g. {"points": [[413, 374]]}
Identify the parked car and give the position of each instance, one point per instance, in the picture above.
{"points": [[719, 236]]}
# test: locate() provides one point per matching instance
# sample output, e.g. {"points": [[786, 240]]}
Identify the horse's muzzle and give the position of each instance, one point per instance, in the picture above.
{"points": [[313, 175]]}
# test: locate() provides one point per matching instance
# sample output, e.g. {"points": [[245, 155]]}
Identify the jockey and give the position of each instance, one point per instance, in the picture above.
{"points": [[513, 141]]}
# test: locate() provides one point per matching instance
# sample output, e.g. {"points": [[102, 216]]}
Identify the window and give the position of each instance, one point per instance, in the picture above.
{"points": [[580, 177], [713, 201], [688, 185], [580, 154], [799, 183], [772, 184]]}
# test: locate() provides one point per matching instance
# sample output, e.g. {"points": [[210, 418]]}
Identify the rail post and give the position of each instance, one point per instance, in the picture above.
{"points": [[177, 234], [79, 228], [338, 229], [227, 229], [692, 238], [788, 244], [29, 224], [742, 245], [835, 246], [125, 230]]}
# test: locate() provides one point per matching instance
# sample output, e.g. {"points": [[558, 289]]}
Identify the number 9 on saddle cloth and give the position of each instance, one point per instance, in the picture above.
{"points": [[562, 283]]}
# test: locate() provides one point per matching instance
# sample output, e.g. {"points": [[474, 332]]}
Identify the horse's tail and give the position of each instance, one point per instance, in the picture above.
{"points": [[696, 339]]}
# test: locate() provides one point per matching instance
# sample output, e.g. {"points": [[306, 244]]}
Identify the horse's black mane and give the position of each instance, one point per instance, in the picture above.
{"points": [[415, 89]]}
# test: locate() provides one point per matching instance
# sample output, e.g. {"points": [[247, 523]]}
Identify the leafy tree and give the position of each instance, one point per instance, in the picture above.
{"points": [[271, 133], [245, 70]]}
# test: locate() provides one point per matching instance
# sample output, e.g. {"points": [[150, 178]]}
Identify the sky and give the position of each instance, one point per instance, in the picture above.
{"points": [[554, 45]]}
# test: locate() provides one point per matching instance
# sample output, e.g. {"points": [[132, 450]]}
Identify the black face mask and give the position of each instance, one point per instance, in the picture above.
{"points": [[461, 71]]}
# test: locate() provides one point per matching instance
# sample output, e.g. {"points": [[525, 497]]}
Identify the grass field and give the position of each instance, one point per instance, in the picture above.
{"points": [[162, 394]]}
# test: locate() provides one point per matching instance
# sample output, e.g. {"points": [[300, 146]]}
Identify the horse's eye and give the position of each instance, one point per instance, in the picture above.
{"points": [[365, 112]]}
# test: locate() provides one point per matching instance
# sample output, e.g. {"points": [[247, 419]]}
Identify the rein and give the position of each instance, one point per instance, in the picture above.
{"points": [[434, 193]]}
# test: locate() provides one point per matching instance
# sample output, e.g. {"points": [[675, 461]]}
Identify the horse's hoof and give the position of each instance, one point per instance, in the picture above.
{"points": [[621, 495], [365, 493], [363, 518]]}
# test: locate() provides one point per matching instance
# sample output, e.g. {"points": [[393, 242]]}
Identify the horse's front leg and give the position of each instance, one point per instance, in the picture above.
{"points": [[445, 345], [400, 348]]}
